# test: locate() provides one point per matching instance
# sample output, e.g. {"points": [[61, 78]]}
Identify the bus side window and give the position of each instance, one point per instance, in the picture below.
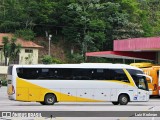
{"points": [[118, 74], [20, 72], [81, 74], [32, 73], [43, 73]]}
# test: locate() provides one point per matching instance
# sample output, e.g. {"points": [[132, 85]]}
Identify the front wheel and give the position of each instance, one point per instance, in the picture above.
{"points": [[115, 103], [123, 99], [49, 99]]}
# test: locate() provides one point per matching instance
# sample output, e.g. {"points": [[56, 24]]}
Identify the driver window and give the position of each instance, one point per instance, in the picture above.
{"points": [[141, 83]]}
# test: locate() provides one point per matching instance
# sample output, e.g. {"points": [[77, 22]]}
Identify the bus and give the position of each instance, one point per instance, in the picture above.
{"points": [[154, 85], [153, 71], [142, 64], [48, 84]]}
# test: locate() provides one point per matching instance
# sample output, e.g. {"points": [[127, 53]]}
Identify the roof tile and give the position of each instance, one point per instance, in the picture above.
{"points": [[24, 43]]}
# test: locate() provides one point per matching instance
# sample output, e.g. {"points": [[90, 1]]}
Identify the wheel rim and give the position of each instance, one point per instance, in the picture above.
{"points": [[124, 100], [50, 100]]}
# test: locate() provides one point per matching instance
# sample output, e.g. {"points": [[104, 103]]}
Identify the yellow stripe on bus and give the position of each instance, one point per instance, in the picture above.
{"points": [[130, 78], [27, 91]]}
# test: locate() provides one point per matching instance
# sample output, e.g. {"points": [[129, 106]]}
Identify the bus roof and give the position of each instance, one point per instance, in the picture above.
{"points": [[142, 65], [90, 65]]}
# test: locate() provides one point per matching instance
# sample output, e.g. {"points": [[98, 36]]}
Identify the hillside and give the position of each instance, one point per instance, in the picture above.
{"points": [[57, 49]]}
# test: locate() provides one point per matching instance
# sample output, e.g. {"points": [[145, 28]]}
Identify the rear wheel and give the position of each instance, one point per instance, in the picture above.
{"points": [[123, 99], [49, 99], [115, 103]]}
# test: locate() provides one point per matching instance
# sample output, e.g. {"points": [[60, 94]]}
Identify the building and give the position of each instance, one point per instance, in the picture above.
{"points": [[133, 48], [28, 53]]}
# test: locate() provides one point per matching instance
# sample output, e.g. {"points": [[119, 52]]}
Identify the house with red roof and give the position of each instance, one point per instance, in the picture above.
{"points": [[28, 53]]}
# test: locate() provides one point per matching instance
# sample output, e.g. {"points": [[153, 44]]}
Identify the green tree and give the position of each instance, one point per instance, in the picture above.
{"points": [[150, 17], [83, 30], [10, 49], [6, 48], [14, 50], [121, 21]]}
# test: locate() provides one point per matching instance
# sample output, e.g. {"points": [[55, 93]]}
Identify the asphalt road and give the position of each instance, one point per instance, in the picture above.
{"points": [[90, 110]]}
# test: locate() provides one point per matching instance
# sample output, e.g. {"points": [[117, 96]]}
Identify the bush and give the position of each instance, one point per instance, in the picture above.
{"points": [[4, 82], [55, 60], [49, 60], [76, 58]]}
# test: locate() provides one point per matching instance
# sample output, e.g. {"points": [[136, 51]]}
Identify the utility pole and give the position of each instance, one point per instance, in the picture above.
{"points": [[49, 38]]}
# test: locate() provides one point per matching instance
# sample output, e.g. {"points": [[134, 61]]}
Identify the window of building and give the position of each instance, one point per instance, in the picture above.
{"points": [[28, 51]]}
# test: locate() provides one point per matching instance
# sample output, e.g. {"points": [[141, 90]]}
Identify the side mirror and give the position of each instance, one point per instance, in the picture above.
{"points": [[146, 76], [149, 78]]}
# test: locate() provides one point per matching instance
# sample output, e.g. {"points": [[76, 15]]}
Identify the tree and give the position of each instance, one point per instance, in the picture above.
{"points": [[84, 27], [14, 50], [6, 48], [121, 21], [11, 49]]}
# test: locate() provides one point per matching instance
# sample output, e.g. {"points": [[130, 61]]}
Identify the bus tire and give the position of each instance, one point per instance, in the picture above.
{"points": [[49, 99], [123, 99], [115, 103]]}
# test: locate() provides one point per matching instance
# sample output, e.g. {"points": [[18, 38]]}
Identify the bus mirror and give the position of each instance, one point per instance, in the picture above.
{"points": [[150, 78], [147, 77]]}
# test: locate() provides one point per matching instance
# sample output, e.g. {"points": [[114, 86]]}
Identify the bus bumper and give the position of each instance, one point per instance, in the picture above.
{"points": [[10, 97]]}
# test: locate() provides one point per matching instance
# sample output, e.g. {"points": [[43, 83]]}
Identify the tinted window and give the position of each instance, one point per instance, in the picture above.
{"points": [[118, 74], [28, 73], [72, 74], [139, 79]]}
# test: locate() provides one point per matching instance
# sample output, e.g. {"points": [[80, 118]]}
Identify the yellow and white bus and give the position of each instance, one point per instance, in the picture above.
{"points": [[48, 84]]}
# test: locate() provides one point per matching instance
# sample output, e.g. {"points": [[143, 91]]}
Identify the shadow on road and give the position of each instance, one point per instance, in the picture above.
{"points": [[75, 104]]}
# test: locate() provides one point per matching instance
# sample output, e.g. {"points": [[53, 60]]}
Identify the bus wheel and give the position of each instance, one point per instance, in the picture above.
{"points": [[123, 99], [49, 99], [115, 103]]}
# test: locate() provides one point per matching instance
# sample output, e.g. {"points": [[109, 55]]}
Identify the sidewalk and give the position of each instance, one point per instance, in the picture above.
{"points": [[3, 92]]}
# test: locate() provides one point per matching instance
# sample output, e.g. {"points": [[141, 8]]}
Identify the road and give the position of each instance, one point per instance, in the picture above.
{"points": [[152, 106]]}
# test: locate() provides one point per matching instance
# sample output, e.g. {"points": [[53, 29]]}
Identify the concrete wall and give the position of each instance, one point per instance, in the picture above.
{"points": [[1, 57], [24, 58], [28, 58], [3, 70]]}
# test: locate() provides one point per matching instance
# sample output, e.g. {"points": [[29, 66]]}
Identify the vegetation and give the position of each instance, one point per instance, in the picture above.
{"points": [[11, 50], [4, 82], [85, 25], [27, 34], [50, 60]]}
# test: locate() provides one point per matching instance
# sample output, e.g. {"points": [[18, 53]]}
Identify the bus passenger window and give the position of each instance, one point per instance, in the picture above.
{"points": [[118, 74]]}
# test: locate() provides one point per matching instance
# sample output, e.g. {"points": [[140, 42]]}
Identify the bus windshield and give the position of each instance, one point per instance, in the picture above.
{"points": [[139, 79]]}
